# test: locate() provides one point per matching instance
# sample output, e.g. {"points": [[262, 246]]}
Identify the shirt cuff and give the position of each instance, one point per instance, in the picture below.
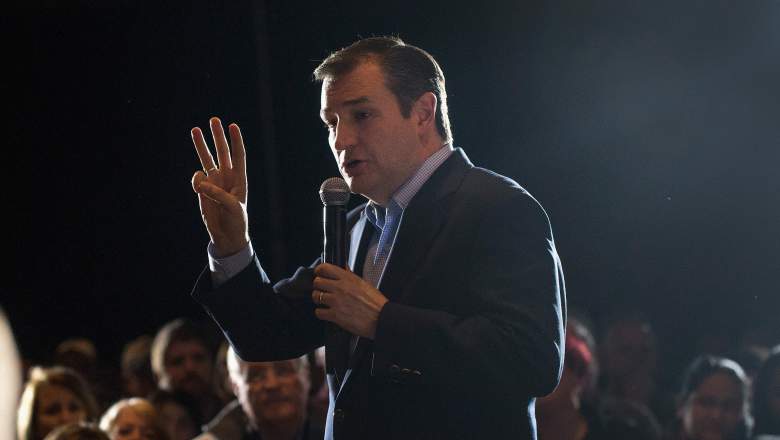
{"points": [[225, 268]]}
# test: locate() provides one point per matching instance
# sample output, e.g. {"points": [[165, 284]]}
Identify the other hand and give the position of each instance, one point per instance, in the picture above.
{"points": [[349, 301]]}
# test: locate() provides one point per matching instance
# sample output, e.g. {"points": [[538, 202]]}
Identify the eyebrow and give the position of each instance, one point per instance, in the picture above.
{"points": [[348, 103]]}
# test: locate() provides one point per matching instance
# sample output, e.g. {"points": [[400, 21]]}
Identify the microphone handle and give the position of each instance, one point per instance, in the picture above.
{"points": [[334, 223]]}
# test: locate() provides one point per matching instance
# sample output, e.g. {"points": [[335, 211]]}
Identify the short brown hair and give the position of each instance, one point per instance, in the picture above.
{"points": [[409, 72], [178, 330]]}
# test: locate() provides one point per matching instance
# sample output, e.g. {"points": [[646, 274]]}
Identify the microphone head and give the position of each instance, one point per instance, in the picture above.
{"points": [[334, 191]]}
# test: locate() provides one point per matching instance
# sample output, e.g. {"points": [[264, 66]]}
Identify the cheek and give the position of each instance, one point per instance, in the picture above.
{"points": [[691, 419]]}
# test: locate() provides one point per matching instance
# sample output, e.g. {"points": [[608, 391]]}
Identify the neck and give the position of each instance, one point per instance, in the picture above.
{"points": [[282, 430]]}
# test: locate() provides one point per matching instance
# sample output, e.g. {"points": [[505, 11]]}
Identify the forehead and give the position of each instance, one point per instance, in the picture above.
{"points": [[366, 80], [720, 385], [260, 367], [187, 346], [51, 392]]}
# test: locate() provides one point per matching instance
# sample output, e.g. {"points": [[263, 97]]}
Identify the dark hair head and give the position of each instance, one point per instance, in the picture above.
{"points": [[766, 423], [178, 330], [408, 70]]}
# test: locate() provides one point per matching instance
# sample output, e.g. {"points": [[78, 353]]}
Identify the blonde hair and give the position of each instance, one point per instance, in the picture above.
{"points": [[142, 407], [39, 377]]}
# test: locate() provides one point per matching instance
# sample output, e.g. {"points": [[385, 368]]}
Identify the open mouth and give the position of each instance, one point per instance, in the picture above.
{"points": [[351, 165]]}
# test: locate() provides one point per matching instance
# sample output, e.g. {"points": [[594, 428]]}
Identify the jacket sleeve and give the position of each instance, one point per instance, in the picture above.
{"points": [[513, 337], [263, 322]]}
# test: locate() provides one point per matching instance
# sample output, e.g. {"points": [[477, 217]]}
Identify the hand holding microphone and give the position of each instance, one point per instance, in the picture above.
{"points": [[346, 299]]}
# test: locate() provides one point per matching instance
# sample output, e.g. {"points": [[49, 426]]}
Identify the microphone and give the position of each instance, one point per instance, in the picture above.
{"points": [[334, 193]]}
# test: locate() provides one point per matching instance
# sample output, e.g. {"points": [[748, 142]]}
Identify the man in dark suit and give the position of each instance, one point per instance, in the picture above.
{"points": [[450, 317]]}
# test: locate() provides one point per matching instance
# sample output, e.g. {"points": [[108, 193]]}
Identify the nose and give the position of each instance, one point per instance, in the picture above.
{"points": [[271, 381], [344, 136], [67, 416]]}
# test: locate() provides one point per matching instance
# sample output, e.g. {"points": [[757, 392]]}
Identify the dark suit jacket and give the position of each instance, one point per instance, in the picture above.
{"points": [[473, 330]]}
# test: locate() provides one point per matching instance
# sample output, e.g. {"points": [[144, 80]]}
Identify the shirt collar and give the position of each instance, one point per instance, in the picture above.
{"points": [[403, 196]]}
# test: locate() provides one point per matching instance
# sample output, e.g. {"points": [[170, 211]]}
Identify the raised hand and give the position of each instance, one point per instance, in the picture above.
{"points": [[222, 188]]}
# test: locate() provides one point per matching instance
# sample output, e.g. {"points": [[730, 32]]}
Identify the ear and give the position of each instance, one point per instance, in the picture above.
{"points": [[424, 112]]}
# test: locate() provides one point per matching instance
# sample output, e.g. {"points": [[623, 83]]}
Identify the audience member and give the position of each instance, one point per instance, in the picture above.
{"points": [[712, 404], [221, 378], [77, 431], [564, 415], [133, 419], [136, 368], [178, 413], [51, 398], [766, 396], [182, 360], [629, 359], [272, 397], [81, 356]]}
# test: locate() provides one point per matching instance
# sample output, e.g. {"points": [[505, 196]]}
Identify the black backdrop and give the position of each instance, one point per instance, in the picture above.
{"points": [[649, 130]]}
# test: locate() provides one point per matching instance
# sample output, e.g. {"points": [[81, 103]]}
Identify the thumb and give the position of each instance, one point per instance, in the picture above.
{"points": [[219, 195]]}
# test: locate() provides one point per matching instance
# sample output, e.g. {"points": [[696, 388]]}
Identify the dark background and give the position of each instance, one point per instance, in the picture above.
{"points": [[649, 131]]}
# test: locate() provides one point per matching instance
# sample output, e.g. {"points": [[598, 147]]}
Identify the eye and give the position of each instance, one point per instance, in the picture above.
{"points": [[362, 115], [52, 409]]}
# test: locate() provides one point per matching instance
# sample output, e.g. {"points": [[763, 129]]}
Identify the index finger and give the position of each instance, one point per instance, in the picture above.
{"points": [[330, 271], [206, 160]]}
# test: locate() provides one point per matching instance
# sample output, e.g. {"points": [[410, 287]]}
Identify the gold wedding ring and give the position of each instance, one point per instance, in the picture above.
{"points": [[210, 170], [319, 299]]}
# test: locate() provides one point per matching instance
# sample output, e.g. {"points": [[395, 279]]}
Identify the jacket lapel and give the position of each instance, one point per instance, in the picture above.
{"points": [[422, 221]]}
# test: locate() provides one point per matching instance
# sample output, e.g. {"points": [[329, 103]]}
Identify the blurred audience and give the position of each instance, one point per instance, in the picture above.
{"points": [[618, 389], [272, 401], [51, 398], [133, 419], [178, 413], [766, 397], [629, 359], [136, 368], [565, 415], [182, 361], [712, 404], [77, 431]]}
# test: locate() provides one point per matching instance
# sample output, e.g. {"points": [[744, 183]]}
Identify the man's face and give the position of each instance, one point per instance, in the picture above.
{"points": [[188, 367], [375, 147], [272, 392]]}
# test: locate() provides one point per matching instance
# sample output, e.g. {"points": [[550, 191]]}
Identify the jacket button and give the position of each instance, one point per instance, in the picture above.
{"points": [[406, 371], [394, 370], [417, 373], [338, 415]]}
